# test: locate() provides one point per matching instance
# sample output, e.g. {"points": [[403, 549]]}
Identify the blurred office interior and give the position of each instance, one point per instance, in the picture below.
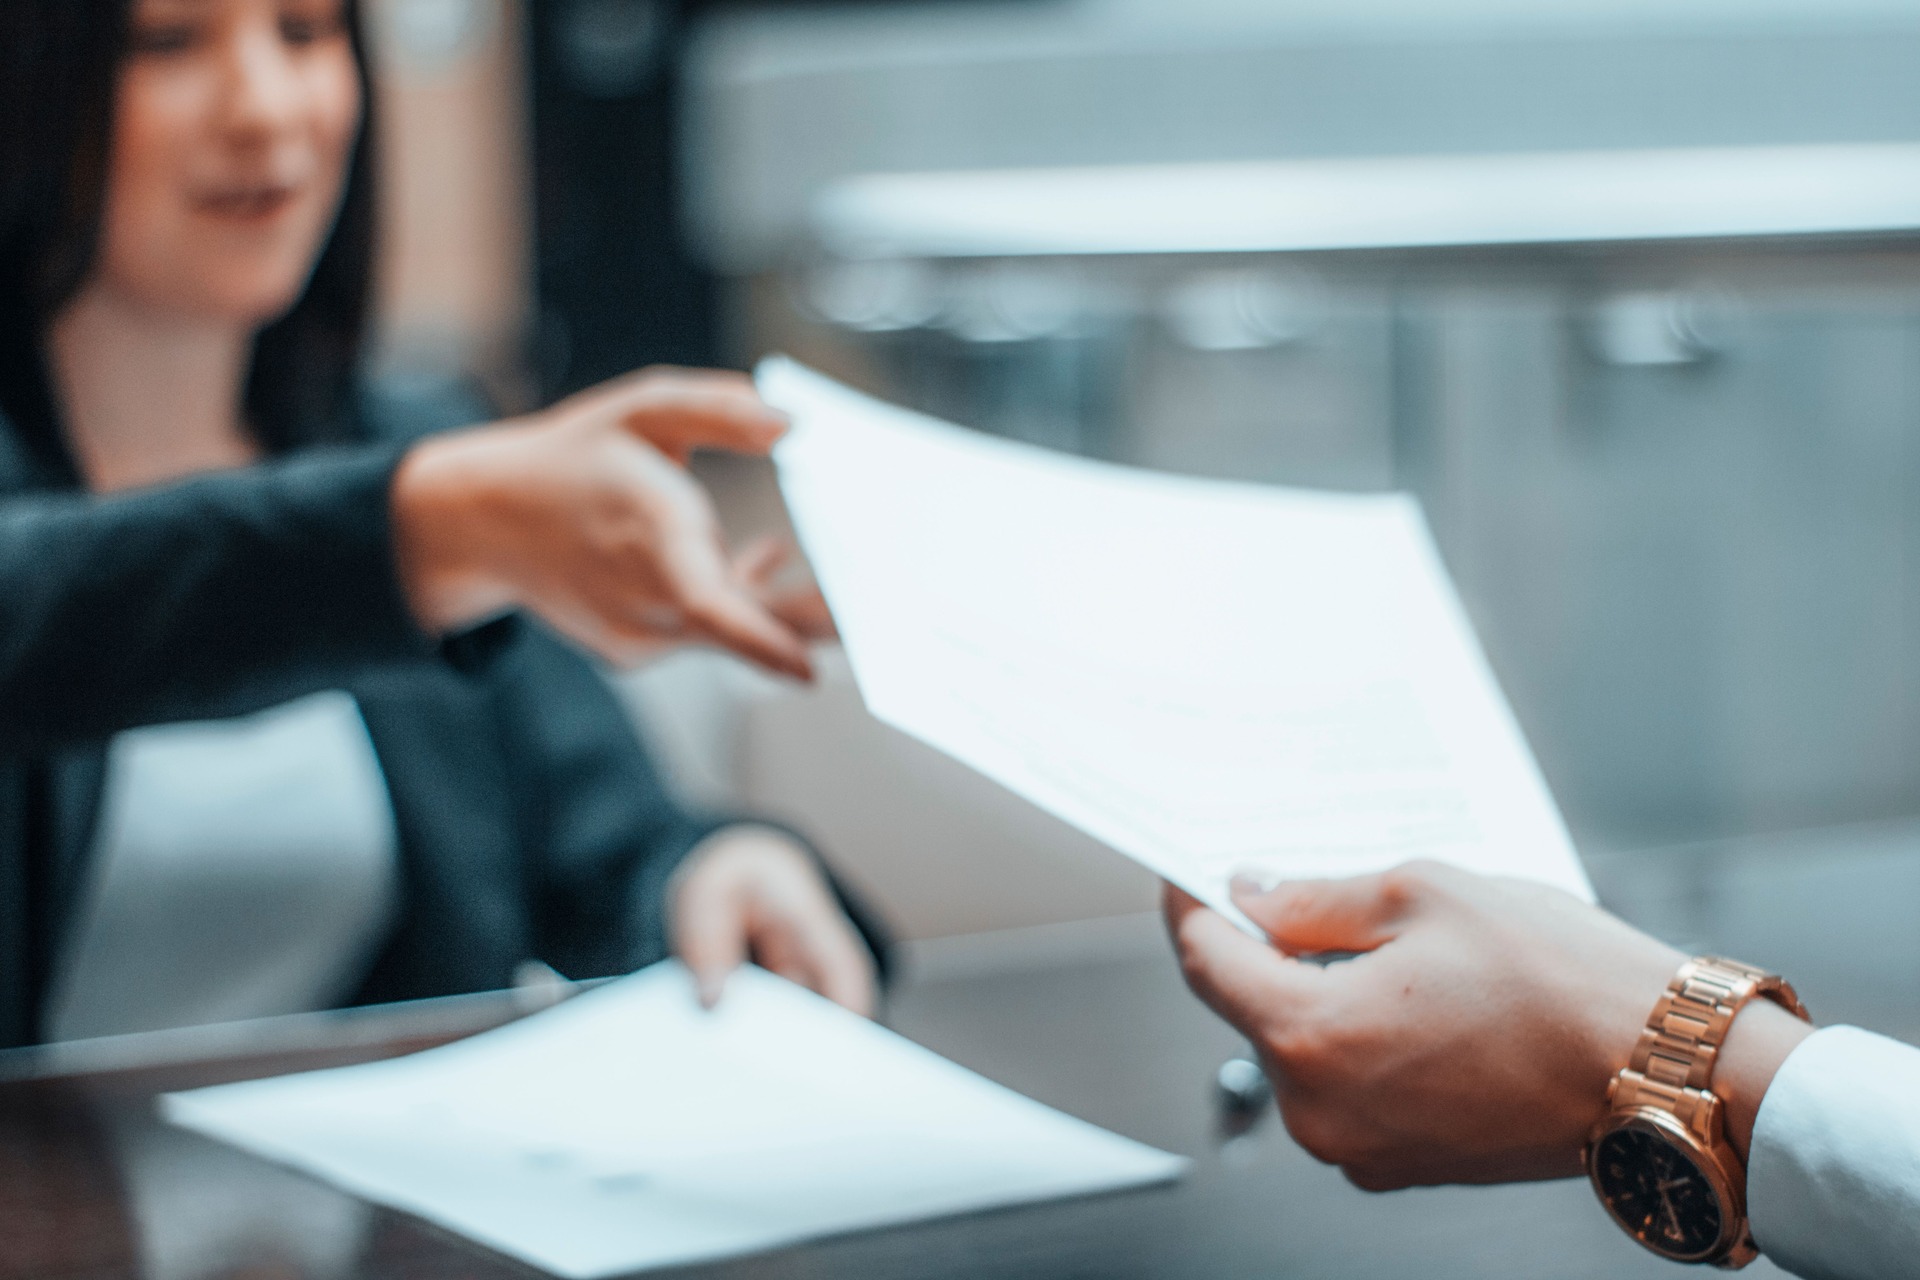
{"points": [[1627, 291], [1673, 464]]}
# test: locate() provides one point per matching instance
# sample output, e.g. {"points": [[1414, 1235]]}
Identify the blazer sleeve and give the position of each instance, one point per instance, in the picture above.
{"points": [[1833, 1178], [210, 597], [603, 830], [602, 834]]}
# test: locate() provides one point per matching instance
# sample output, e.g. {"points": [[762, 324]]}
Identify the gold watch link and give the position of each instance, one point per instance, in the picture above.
{"points": [[1662, 1101], [1673, 1061], [1681, 1041]]}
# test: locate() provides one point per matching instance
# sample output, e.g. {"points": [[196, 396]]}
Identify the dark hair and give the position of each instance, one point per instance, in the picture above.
{"points": [[59, 68]]}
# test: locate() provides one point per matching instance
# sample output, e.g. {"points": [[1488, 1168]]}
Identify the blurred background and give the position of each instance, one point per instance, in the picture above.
{"points": [[1670, 446]]}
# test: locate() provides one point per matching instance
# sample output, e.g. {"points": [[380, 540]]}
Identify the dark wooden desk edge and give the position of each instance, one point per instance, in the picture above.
{"points": [[373, 1030]]}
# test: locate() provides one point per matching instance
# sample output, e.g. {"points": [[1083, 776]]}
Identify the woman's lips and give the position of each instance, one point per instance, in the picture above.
{"points": [[246, 204]]}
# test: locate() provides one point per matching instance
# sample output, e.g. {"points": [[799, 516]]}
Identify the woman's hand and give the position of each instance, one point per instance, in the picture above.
{"points": [[1473, 1040], [798, 606], [751, 893], [585, 515]]}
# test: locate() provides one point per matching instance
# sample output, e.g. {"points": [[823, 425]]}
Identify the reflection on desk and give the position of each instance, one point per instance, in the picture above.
{"points": [[1091, 1019]]}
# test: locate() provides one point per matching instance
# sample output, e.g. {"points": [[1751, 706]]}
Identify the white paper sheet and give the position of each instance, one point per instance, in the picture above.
{"points": [[628, 1128], [1207, 676]]}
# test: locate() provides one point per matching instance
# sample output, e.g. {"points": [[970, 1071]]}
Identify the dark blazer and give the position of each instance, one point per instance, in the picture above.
{"points": [[531, 822]]}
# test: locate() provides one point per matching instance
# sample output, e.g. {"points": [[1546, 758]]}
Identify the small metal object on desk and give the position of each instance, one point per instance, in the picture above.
{"points": [[1242, 1093]]}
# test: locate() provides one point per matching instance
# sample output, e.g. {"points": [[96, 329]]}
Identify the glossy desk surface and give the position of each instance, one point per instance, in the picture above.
{"points": [[1092, 1020]]}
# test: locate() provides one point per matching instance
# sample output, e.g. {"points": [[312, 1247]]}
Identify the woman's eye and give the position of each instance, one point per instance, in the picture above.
{"points": [[164, 38], [309, 28]]}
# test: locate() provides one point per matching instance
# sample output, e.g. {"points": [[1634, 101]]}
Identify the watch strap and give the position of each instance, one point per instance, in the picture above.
{"points": [[1681, 1041], [1671, 1071]]}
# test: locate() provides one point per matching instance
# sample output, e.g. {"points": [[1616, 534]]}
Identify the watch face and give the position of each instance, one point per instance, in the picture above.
{"points": [[1658, 1192]]}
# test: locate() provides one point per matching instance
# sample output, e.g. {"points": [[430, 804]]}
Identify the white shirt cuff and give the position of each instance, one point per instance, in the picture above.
{"points": [[1833, 1178]]}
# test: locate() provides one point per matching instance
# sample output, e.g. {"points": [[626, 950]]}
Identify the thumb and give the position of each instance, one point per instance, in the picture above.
{"points": [[1238, 977], [1307, 916]]}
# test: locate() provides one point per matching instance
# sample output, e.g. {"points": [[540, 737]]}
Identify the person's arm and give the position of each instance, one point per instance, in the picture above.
{"points": [[211, 597], [1473, 1037], [232, 591]]}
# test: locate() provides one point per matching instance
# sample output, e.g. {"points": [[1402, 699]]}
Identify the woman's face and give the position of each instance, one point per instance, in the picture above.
{"points": [[234, 125]]}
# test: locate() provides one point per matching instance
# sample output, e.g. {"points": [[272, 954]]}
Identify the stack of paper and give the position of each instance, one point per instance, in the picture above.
{"points": [[629, 1128], [1208, 677]]}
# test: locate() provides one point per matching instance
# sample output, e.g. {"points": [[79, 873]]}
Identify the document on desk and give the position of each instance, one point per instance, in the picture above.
{"points": [[1207, 676], [628, 1128]]}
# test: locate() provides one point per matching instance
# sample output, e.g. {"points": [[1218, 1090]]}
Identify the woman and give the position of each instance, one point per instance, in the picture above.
{"points": [[243, 618]]}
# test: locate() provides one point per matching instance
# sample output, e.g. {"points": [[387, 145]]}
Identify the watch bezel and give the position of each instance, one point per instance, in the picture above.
{"points": [[1667, 1127]]}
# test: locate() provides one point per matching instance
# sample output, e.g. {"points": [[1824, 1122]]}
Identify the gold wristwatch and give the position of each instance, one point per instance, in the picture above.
{"points": [[1660, 1160]]}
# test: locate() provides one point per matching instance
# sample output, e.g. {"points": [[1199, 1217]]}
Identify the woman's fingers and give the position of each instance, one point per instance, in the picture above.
{"points": [[834, 962], [771, 633], [797, 930], [715, 607], [847, 979], [686, 581], [735, 621], [817, 951], [801, 608], [709, 929], [680, 411], [753, 893], [698, 598], [762, 560]]}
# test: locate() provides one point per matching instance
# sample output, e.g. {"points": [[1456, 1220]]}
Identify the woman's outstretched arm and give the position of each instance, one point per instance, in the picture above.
{"points": [[235, 590], [215, 596]]}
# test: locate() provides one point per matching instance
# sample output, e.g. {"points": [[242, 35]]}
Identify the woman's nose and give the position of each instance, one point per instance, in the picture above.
{"points": [[262, 84]]}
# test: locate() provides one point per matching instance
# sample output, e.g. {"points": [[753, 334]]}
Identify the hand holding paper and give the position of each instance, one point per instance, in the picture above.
{"points": [[1209, 677]]}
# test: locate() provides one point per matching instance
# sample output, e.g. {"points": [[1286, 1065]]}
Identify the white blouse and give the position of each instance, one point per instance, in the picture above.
{"points": [[1833, 1178], [242, 868]]}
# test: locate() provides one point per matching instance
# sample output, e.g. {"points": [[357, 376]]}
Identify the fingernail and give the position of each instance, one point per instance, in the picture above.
{"points": [[709, 993]]}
